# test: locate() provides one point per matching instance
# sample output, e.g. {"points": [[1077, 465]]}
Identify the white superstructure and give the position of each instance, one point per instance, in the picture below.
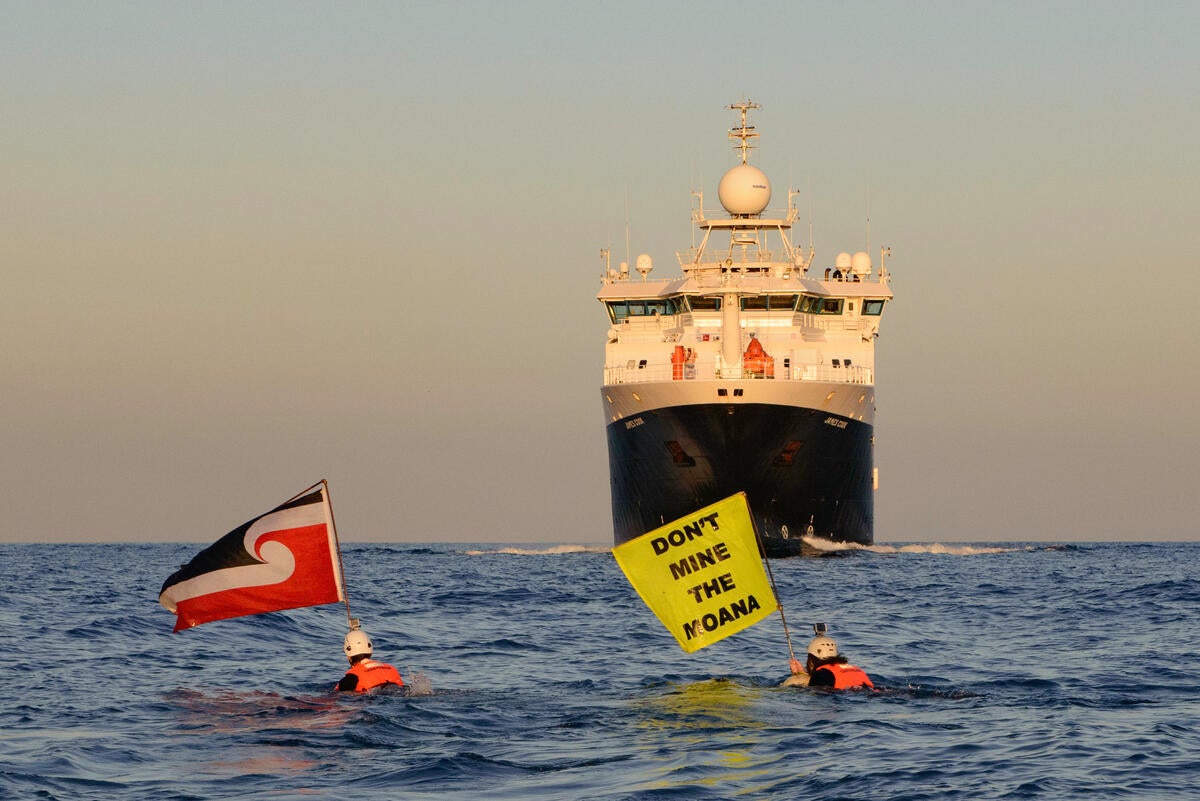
{"points": [[813, 325], [749, 372]]}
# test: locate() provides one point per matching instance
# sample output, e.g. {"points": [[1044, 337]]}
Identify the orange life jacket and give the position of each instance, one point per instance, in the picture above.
{"points": [[847, 677], [373, 674]]}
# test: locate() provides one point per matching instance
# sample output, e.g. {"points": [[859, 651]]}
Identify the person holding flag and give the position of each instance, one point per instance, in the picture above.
{"points": [[825, 667], [287, 558]]}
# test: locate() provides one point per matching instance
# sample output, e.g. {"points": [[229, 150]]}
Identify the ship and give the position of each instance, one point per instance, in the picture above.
{"points": [[751, 371]]}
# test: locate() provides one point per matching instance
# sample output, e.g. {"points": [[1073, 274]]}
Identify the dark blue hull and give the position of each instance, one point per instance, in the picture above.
{"points": [[797, 466]]}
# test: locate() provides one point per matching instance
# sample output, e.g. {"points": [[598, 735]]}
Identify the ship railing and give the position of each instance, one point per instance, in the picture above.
{"points": [[714, 274], [640, 371], [831, 322], [833, 373]]}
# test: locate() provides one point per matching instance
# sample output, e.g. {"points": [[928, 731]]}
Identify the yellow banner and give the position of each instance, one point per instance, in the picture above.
{"points": [[702, 574]]}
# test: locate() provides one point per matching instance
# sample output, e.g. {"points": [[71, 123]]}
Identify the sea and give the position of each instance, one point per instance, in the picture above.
{"points": [[1002, 671]]}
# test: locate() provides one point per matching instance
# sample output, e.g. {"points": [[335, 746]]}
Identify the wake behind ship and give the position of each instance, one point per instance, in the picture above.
{"points": [[750, 372]]}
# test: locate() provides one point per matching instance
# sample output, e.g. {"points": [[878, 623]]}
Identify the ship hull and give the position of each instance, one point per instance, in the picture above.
{"points": [[798, 465]]}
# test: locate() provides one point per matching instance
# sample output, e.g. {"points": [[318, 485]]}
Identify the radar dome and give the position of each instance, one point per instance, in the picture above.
{"points": [[843, 261], [744, 190], [644, 264], [860, 263]]}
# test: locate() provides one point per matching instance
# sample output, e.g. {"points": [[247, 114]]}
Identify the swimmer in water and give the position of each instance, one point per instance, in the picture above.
{"points": [[825, 667], [365, 673]]}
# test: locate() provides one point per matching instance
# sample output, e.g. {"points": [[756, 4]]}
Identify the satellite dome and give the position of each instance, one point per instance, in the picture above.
{"points": [[644, 264], [860, 263], [843, 261], [744, 190]]}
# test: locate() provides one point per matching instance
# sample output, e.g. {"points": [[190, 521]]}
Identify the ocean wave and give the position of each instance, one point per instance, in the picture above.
{"points": [[553, 550], [1065, 674], [829, 546]]}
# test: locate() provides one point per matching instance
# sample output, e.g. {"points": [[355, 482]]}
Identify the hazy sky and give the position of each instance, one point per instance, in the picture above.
{"points": [[247, 246]]}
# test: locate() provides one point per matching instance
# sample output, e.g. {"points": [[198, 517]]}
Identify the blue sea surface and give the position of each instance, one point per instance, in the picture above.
{"points": [[1004, 671]]}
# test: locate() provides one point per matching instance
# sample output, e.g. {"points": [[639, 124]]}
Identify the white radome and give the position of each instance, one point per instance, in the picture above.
{"points": [[744, 190], [860, 263]]}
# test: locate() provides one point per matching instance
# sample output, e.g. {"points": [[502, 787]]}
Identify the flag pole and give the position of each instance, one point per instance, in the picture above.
{"points": [[350, 621], [762, 551]]}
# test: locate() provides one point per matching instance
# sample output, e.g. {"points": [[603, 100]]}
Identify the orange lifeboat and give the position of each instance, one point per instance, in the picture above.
{"points": [[756, 360]]}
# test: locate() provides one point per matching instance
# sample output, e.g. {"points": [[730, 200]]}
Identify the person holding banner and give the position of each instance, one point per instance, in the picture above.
{"points": [[365, 673], [703, 575], [825, 667]]}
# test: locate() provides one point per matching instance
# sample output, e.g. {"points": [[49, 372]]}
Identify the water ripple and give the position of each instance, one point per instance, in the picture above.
{"points": [[1021, 671]]}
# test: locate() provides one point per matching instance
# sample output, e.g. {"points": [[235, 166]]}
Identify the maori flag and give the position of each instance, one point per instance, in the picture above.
{"points": [[284, 559]]}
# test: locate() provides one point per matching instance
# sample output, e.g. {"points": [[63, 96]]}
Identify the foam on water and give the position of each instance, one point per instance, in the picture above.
{"points": [[539, 551], [829, 546]]}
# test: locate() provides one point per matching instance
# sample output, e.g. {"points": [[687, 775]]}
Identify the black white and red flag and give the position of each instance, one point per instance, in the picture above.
{"points": [[284, 559]]}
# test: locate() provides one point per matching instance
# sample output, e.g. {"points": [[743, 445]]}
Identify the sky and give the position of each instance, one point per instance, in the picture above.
{"points": [[248, 246]]}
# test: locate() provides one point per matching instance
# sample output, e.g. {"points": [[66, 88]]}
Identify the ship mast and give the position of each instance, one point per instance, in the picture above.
{"points": [[744, 133], [731, 324]]}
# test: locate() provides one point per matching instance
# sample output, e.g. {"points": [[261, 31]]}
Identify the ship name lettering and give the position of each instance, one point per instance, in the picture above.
{"points": [[836, 423], [634, 423], [705, 590], [695, 562], [726, 614], [690, 531]]}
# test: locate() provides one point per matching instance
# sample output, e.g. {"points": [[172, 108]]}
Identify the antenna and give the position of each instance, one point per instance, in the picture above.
{"points": [[697, 214], [811, 211], [744, 133], [627, 224], [692, 175], [868, 214]]}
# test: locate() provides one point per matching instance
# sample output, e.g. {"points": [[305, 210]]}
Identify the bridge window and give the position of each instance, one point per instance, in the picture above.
{"points": [[754, 303], [783, 302], [873, 307], [769, 303], [618, 310], [698, 303], [812, 304]]}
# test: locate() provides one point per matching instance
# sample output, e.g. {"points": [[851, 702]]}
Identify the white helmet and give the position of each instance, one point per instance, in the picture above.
{"points": [[822, 647], [357, 644]]}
